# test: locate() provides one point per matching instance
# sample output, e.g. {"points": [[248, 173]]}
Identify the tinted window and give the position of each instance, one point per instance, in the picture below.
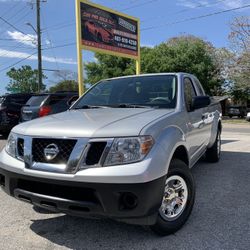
{"points": [[56, 99], [36, 100], [189, 93], [157, 91]]}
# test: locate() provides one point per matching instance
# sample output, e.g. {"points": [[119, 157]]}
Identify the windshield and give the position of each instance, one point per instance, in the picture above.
{"points": [[146, 91]]}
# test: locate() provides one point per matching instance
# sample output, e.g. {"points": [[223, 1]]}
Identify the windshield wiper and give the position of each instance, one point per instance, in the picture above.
{"points": [[90, 107], [123, 105]]}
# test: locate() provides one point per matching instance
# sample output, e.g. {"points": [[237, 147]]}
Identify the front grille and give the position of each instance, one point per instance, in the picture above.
{"points": [[65, 147], [95, 152], [60, 191], [20, 147]]}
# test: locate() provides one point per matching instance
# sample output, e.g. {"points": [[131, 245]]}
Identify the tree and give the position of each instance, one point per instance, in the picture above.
{"points": [[65, 85], [224, 59], [240, 34], [64, 75], [23, 80], [240, 69], [108, 66], [185, 53], [66, 81]]}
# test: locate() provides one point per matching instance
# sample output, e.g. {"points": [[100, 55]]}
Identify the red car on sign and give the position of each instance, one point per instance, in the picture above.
{"points": [[98, 32]]}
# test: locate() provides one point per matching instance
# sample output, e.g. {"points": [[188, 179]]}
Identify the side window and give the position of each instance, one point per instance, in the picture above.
{"points": [[189, 93], [56, 99], [199, 88]]}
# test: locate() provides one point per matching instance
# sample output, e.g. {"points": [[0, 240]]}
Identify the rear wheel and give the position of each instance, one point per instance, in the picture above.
{"points": [[177, 201], [213, 153]]}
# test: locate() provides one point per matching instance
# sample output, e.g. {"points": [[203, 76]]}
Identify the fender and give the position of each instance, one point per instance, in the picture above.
{"points": [[170, 139]]}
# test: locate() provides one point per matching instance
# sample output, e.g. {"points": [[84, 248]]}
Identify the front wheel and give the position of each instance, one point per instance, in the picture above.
{"points": [[178, 199]]}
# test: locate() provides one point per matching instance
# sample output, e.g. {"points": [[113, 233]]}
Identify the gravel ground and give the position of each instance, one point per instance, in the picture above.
{"points": [[220, 218]]}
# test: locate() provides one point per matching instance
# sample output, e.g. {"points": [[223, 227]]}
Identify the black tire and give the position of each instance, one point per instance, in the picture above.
{"points": [[165, 226], [230, 116], [213, 153]]}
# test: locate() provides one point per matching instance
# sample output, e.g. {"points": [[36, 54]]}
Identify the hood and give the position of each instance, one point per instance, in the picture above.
{"points": [[102, 122]]}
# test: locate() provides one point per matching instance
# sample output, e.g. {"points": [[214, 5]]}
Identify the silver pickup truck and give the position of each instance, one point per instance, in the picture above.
{"points": [[123, 151]]}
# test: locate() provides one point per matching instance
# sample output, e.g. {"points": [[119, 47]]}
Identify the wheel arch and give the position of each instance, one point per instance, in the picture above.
{"points": [[181, 154], [217, 125]]}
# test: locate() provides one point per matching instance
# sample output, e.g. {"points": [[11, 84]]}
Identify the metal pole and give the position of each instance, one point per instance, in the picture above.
{"points": [[79, 48], [138, 61], [39, 47]]}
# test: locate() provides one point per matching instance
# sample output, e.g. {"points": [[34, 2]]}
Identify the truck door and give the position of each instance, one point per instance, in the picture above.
{"points": [[196, 130]]}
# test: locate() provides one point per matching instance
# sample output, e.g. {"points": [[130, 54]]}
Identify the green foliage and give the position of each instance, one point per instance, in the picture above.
{"points": [[108, 66], [186, 54], [181, 54], [65, 85], [23, 80]]}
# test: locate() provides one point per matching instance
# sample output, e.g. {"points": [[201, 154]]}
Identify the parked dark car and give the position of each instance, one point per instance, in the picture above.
{"points": [[46, 104], [239, 111], [10, 108]]}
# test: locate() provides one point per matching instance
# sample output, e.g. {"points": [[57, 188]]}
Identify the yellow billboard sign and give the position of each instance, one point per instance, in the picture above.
{"points": [[104, 30]]}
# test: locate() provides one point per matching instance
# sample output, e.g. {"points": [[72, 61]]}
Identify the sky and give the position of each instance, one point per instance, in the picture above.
{"points": [[160, 20]]}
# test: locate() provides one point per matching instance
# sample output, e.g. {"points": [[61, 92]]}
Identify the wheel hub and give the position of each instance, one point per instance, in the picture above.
{"points": [[174, 199]]}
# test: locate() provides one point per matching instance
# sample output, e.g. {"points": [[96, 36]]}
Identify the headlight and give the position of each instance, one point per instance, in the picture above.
{"points": [[128, 150], [11, 145]]}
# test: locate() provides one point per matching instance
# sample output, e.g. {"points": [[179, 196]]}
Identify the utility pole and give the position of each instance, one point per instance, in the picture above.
{"points": [[39, 46]]}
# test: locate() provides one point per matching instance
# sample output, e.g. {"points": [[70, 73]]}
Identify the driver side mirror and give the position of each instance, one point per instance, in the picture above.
{"points": [[200, 102]]}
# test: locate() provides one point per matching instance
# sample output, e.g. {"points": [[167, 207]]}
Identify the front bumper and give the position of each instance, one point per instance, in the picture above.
{"points": [[133, 203]]}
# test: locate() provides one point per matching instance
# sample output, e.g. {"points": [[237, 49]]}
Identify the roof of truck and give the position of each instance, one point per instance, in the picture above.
{"points": [[150, 74]]}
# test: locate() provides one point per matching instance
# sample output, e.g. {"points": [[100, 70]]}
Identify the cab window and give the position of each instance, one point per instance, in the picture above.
{"points": [[199, 87], [189, 93]]}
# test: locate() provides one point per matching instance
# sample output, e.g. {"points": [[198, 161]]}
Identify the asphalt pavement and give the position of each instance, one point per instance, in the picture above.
{"points": [[220, 218]]}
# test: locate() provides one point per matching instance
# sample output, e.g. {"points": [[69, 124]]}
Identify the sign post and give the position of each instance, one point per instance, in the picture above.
{"points": [[104, 30], [138, 60], [79, 49]]}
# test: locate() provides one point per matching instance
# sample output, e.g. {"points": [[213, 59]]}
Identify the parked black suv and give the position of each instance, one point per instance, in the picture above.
{"points": [[10, 108], [46, 104]]}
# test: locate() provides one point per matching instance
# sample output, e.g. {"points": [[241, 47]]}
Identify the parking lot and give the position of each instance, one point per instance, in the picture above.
{"points": [[220, 218]]}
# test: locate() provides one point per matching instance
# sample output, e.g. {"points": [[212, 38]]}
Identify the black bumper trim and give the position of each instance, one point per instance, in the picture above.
{"points": [[105, 203]]}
